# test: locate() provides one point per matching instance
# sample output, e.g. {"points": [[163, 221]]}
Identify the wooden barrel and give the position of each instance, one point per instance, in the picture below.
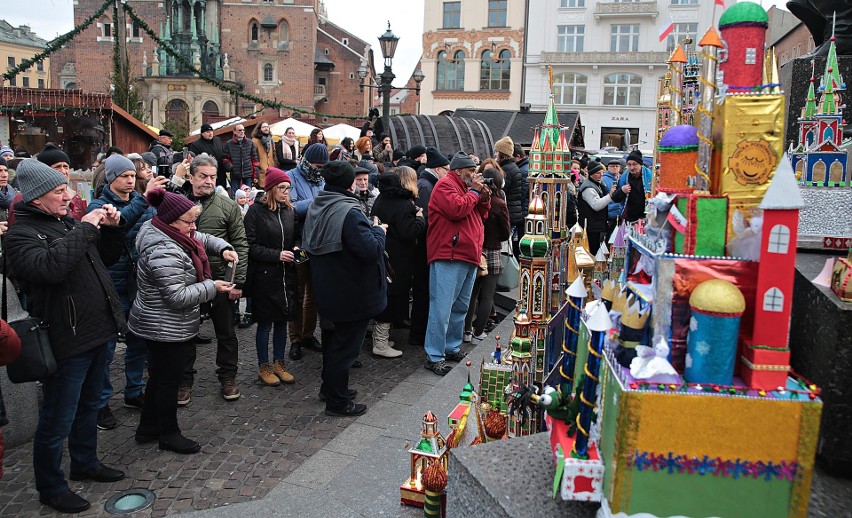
{"points": [[448, 134]]}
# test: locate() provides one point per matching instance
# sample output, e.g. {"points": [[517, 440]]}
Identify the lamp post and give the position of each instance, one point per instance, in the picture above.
{"points": [[388, 42]]}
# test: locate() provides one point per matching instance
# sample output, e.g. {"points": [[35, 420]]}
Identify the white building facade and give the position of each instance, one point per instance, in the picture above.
{"points": [[472, 55], [607, 60]]}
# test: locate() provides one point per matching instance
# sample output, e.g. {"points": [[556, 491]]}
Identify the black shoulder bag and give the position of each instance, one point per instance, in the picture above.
{"points": [[36, 362]]}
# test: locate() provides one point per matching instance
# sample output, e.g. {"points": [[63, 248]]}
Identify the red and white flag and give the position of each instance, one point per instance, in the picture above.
{"points": [[667, 28], [720, 2]]}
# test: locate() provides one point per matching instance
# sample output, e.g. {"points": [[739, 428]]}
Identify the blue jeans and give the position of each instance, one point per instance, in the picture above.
{"points": [[69, 410], [279, 340], [135, 356], [450, 285]]}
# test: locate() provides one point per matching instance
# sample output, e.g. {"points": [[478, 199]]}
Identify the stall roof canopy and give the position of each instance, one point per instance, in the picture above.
{"points": [[521, 125]]}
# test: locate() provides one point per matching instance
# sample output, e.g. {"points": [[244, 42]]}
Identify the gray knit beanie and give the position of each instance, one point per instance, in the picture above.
{"points": [[36, 179], [117, 164]]}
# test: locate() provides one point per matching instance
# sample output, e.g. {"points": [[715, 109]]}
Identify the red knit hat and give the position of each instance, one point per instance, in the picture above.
{"points": [[275, 176], [170, 206]]}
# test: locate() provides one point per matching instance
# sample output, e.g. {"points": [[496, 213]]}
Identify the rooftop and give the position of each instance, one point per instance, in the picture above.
{"points": [[22, 35]]}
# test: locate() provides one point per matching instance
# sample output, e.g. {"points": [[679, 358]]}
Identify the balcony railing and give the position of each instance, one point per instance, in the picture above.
{"points": [[603, 9], [604, 58], [320, 92]]}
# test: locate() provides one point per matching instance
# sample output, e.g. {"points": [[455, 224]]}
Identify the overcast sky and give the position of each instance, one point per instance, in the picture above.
{"points": [[367, 19]]}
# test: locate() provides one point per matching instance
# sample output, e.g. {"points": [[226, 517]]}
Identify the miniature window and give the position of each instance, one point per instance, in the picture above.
{"points": [[779, 239], [773, 300], [751, 56]]}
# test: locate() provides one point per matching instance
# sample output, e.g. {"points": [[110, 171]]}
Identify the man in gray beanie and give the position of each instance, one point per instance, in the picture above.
{"points": [[58, 263], [120, 192]]}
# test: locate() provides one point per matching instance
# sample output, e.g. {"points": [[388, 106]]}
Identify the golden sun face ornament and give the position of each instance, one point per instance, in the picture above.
{"points": [[753, 162]]}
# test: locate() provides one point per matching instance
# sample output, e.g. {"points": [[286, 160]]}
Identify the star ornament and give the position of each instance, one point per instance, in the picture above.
{"points": [[702, 348]]}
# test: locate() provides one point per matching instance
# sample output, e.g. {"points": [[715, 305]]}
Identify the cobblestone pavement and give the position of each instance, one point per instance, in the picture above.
{"points": [[248, 445]]}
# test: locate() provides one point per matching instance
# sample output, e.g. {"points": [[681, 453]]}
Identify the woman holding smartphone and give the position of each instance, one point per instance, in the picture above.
{"points": [[174, 280], [271, 277]]}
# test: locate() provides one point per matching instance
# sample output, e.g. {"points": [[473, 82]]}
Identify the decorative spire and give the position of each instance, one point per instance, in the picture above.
{"points": [[832, 71], [810, 103]]}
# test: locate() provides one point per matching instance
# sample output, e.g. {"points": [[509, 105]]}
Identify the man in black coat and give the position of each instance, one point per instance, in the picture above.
{"points": [[436, 167], [340, 240], [58, 262], [513, 185], [212, 145]]}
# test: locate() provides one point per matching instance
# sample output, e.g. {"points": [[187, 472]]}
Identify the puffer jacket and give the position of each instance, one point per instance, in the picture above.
{"points": [[60, 264], [168, 304], [135, 212], [512, 188], [221, 217], [241, 159]]}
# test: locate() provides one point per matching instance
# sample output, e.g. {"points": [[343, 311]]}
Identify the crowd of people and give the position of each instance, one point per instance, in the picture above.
{"points": [[358, 238]]}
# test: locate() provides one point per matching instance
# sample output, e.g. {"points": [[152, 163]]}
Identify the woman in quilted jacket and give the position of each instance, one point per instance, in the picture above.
{"points": [[174, 280]]}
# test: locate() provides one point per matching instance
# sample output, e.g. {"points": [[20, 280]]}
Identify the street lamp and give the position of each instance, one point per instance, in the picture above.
{"points": [[388, 42]]}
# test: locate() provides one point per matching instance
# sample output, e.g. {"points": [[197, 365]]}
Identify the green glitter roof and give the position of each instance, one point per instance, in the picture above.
{"points": [[743, 12]]}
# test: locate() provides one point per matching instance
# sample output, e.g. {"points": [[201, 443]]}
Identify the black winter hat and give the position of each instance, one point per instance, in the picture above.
{"points": [[52, 155], [338, 173], [595, 167], [435, 158], [415, 152], [636, 156], [397, 155]]}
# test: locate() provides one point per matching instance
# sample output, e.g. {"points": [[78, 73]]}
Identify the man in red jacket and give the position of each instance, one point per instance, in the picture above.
{"points": [[457, 208]]}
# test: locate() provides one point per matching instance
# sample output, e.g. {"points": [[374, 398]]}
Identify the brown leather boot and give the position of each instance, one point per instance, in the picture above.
{"points": [[230, 391], [279, 368]]}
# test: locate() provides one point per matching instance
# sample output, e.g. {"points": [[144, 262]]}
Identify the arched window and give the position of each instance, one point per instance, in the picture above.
{"points": [[267, 72], [835, 173], [828, 134], [450, 74], [178, 111], [254, 31], [283, 31], [773, 300], [525, 289], [186, 15], [779, 240], [209, 110], [494, 73], [538, 294], [622, 90], [570, 88]]}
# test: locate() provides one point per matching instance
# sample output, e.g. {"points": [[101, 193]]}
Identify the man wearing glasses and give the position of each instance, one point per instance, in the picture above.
{"points": [[220, 217], [241, 159]]}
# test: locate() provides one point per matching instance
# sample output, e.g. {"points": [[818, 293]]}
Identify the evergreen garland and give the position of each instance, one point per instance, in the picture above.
{"points": [[56, 44], [219, 84]]}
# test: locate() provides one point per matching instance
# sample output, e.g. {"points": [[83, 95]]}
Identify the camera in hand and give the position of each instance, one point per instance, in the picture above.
{"points": [[488, 181]]}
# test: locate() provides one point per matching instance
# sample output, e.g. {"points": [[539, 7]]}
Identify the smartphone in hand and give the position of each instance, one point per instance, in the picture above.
{"points": [[230, 272]]}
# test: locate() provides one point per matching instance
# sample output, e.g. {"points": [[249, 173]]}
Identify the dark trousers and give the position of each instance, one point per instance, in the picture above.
{"points": [[165, 361], [337, 358], [69, 410], [595, 240], [420, 295], [481, 302], [227, 348]]}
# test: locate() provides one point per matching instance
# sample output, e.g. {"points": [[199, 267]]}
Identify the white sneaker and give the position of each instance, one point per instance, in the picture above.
{"points": [[387, 352], [481, 336], [468, 336]]}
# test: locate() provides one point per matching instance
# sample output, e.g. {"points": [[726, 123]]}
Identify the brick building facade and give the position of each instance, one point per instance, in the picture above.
{"points": [[280, 50]]}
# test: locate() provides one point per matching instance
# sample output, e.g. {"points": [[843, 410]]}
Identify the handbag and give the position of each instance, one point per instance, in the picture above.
{"points": [[36, 362], [508, 278]]}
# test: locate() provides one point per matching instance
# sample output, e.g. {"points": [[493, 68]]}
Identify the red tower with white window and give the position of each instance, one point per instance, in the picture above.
{"points": [[765, 356]]}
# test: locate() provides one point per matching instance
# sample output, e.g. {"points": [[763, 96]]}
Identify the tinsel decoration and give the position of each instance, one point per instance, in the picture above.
{"points": [[170, 50], [56, 43], [434, 482], [495, 424]]}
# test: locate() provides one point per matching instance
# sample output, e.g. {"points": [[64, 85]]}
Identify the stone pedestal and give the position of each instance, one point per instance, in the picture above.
{"points": [[795, 78], [821, 348], [511, 478], [21, 401]]}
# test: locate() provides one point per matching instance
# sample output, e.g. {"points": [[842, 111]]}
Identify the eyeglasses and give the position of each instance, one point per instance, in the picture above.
{"points": [[282, 188], [193, 223], [240, 131]]}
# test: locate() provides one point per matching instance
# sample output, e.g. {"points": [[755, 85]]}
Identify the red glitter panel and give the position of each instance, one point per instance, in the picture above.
{"points": [[689, 273]]}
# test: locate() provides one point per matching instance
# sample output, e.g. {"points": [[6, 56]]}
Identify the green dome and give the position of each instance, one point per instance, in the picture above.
{"points": [[744, 12]]}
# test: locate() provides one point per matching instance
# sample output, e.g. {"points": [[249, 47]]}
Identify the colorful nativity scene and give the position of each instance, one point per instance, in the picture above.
{"points": [[660, 365]]}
